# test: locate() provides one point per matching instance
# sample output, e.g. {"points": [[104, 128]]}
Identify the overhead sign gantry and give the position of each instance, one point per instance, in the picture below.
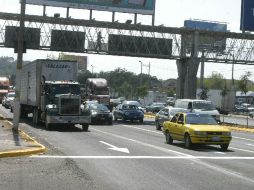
{"points": [[146, 7]]}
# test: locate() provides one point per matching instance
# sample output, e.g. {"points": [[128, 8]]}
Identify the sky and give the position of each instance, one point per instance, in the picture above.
{"points": [[171, 13]]}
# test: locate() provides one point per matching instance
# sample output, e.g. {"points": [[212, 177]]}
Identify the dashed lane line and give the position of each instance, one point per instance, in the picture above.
{"points": [[243, 138], [244, 150], [146, 130]]}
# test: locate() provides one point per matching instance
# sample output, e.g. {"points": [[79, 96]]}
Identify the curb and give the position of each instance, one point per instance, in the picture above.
{"points": [[23, 152]]}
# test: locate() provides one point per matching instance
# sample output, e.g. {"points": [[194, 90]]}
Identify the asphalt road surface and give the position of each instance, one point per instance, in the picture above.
{"points": [[127, 156]]}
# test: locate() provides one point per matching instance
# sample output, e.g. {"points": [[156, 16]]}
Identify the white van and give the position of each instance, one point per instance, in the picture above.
{"points": [[198, 106]]}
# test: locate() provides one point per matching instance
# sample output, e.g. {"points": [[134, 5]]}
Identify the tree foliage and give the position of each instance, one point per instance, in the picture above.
{"points": [[215, 81], [243, 82], [7, 66]]}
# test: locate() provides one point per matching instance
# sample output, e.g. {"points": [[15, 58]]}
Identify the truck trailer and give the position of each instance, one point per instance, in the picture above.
{"points": [[49, 90]]}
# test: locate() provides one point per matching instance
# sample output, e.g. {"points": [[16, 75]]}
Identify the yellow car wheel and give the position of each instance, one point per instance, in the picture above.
{"points": [[224, 147], [187, 141], [169, 139]]}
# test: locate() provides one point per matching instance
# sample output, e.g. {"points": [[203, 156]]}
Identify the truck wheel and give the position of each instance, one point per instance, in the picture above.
{"points": [[48, 126], [35, 116], [23, 113], [110, 122], [85, 127]]}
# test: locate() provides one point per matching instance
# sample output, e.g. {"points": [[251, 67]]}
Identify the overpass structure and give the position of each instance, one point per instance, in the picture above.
{"points": [[187, 46]]}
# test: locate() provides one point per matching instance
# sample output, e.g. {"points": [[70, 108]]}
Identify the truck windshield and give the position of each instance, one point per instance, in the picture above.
{"points": [[101, 92], [65, 89], [203, 105], [4, 87]]}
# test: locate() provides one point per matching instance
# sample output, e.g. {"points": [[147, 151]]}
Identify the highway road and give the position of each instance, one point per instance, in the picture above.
{"points": [[127, 156]]}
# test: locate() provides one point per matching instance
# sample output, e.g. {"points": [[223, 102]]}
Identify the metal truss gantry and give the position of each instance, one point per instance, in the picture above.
{"points": [[217, 47]]}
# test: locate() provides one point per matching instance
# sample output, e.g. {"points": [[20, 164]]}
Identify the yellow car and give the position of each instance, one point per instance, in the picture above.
{"points": [[194, 128]]}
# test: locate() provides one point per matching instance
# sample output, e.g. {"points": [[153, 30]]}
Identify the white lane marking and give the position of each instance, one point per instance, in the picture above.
{"points": [[144, 144], [214, 152], [243, 138], [160, 133], [250, 144], [129, 126], [112, 147], [250, 151], [145, 157], [219, 153]]}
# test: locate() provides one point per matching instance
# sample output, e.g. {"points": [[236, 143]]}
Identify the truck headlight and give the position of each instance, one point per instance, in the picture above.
{"points": [[200, 133], [52, 111], [94, 112]]}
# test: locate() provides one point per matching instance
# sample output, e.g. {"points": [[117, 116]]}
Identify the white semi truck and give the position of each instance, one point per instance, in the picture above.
{"points": [[49, 90], [224, 104]]}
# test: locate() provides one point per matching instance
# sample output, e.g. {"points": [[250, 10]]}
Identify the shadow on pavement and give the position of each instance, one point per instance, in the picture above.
{"points": [[202, 148], [16, 139]]}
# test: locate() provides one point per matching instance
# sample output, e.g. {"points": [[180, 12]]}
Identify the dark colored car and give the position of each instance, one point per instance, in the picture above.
{"points": [[100, 113], [166, 114], [128, 112], [155, 107]]}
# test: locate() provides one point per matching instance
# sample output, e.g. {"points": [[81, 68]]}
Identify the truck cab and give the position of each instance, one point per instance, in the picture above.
{"points": [[62, 103]]}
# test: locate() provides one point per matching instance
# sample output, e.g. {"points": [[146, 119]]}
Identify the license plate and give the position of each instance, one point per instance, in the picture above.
{"points": [[216, 139]]}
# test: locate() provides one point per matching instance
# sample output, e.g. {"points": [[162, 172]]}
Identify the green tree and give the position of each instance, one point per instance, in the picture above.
{"points": [[125, 90], [84, 75], [243, 82], [215, 81], [142, 91]]}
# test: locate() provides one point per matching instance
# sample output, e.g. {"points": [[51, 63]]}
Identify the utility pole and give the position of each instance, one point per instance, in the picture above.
{"points": [[202, 70], [141, 72], [19, 65], [233, 82]]}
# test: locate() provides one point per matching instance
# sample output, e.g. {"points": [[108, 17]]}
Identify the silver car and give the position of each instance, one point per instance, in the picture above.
{"points": [[166, 114], [8, 98]]}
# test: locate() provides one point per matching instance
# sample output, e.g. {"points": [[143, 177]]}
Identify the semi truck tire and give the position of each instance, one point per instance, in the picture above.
{"points": [[85, 127]]}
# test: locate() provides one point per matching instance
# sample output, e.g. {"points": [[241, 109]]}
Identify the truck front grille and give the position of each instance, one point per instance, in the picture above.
{"points": [[69, 106]]}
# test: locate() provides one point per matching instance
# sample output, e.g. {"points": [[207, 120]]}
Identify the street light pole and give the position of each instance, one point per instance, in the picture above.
{"points": [[16, 113], [141, 72]]}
